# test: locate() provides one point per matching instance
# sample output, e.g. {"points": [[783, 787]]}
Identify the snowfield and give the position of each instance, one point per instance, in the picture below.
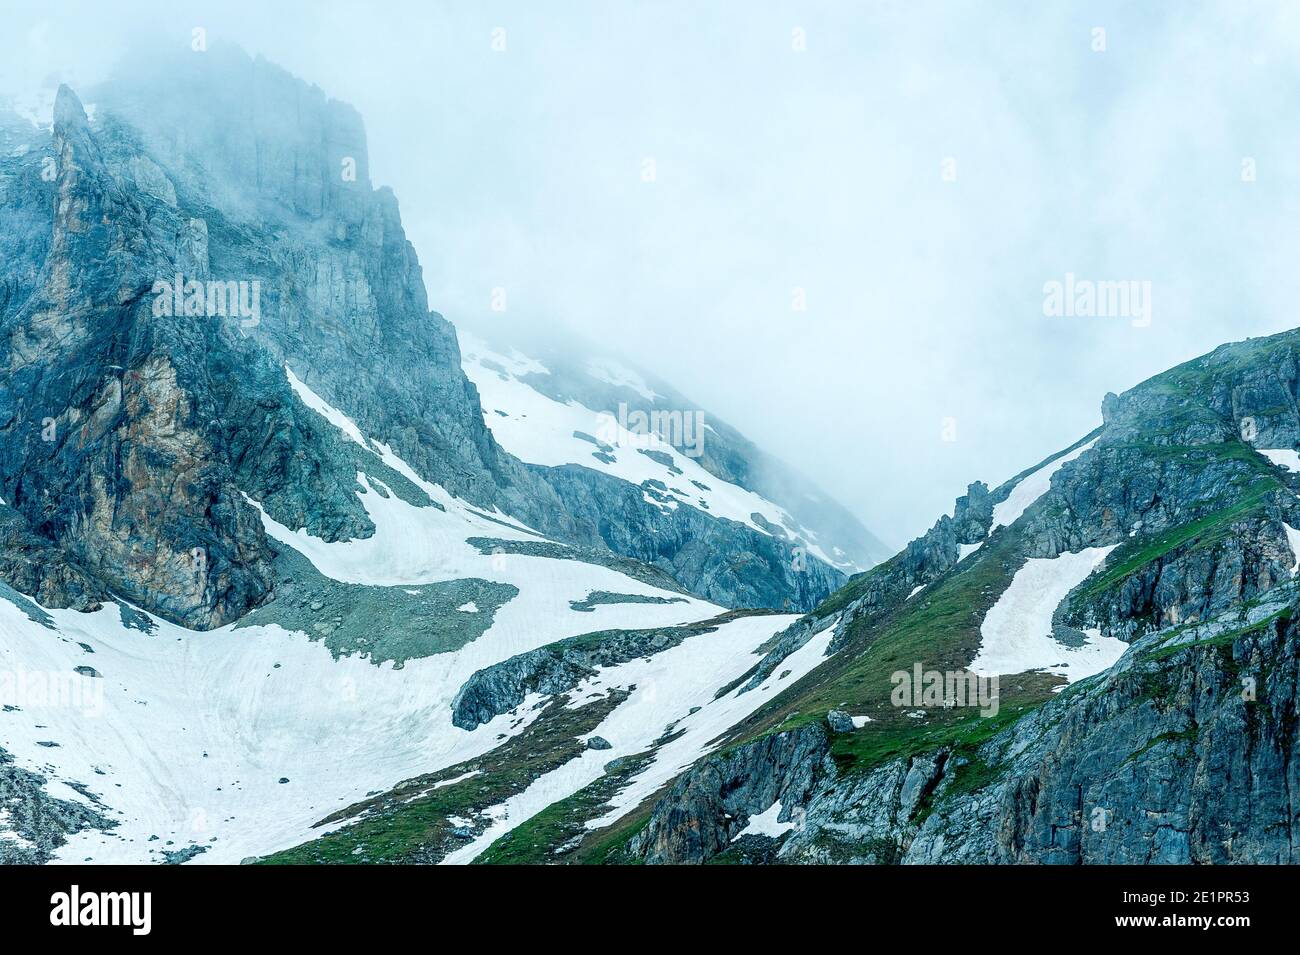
{"points": [[238, 740], [667, 686], [185, 736], [1030, 488], [1017, 630], [540, 430], [1285, 458]]}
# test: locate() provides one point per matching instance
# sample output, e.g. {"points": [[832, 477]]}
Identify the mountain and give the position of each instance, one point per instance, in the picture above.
{"points": [[1125, 607], [268, 553], [559, 401], [1135, 595], [292, 570]]}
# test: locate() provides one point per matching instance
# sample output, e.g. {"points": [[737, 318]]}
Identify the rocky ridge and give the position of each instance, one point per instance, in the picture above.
{"points": [[1179, 753]]}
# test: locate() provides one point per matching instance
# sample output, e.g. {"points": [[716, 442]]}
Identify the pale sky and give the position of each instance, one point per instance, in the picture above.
{"points": [[819, 166]]}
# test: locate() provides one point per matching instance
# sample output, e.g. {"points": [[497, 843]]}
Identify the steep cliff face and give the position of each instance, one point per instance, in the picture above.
{"points": [[107, 449], [280, 176], [1147, 705]]}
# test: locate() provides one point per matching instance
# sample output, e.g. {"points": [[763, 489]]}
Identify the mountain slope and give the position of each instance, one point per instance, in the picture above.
{"points": [[1172, 530], [561, 402], [312, 580], [149, 742]]}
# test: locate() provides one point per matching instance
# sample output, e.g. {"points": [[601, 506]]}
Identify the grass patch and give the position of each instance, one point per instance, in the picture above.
{"points": [[1187, 737], [1132, 556], [534, 842], [410, 822], [1222, 639], [610, 846], [961, 731]]}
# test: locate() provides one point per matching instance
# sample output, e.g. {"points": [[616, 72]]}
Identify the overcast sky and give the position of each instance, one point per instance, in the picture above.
{"points": [[918, 170]]}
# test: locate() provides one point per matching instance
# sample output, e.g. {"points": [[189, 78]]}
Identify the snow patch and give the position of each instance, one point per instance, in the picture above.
{"points": [[1293, 538], [1017, 631], [458, 779], [1283, 457], [1030, 488], [765, 824]]}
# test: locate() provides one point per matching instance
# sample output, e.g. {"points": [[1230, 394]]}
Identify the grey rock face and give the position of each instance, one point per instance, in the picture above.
{"points": [[32, 565], [840, 722], [81, 448], [36, 824], [598, 598], [708, 806], [723, 561]]}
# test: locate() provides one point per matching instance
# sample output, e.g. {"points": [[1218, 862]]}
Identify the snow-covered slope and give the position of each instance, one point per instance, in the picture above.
{"points": [[238, 740], [596, 413], [541, 430], [673, 689], [1017, 631]]}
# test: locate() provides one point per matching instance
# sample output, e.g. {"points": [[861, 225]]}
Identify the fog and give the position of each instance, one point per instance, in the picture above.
{"points": [[832, 227]]}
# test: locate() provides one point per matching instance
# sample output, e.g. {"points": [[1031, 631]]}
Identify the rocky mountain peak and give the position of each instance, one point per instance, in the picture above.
{"points": [[246, 128], [68, 112], [213, 235]]}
